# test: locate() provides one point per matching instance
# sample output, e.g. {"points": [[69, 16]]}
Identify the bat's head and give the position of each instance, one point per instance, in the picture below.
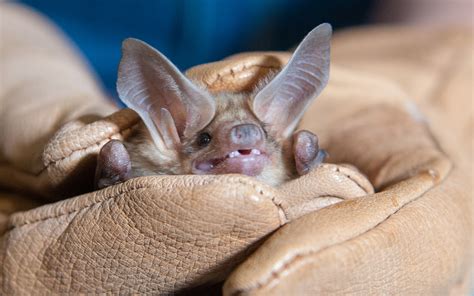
{"points": [[196, 132]]}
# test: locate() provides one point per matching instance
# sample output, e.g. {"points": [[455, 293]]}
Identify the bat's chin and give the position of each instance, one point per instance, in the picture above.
{"points": [[250, 162]]}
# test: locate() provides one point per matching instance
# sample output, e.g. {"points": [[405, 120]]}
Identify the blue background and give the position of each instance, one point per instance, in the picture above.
{"points": [[194, 31]]}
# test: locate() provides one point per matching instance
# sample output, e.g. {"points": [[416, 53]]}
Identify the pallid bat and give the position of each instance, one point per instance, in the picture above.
{"points": [[187, 130]]}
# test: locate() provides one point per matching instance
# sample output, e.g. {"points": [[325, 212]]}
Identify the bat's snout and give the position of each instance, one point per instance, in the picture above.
{"points": [[241, 151], [246, 135]]}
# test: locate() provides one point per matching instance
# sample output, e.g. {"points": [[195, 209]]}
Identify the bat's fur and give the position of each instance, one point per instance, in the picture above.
{"points": [[196, 132], [231, 109]]}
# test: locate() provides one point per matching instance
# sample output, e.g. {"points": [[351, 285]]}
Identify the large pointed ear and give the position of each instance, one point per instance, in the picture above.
{"points": [[168, 102], [282, 102]]}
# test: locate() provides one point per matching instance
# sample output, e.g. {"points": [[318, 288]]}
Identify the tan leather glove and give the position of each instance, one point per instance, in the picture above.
{"points": [[167, 234], [414, 236], [43, 86], [160, 234]]}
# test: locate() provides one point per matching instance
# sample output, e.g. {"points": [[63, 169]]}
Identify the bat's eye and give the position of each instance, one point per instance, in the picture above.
{"points": [[204, 139]]}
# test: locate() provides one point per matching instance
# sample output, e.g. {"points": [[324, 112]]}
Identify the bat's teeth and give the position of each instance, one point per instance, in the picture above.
{"points": [[256, 151], [234, 154]]}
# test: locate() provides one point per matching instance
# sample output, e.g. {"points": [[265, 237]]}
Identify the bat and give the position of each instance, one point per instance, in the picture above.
{"points": [[187, 130]]}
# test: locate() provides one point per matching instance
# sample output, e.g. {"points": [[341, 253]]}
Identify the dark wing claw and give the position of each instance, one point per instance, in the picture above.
{"points": [[307, 152], [113, 165]]}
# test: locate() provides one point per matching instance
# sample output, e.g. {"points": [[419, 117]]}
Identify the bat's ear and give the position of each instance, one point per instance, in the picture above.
{"points": [[282, 102], [168, 102]]}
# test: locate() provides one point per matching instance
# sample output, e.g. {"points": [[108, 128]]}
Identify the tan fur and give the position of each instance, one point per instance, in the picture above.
{"points": [[232, 109], [234, 140]]}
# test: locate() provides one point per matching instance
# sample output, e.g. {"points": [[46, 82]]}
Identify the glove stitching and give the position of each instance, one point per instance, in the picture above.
{"points": [[275, 274], [232, 180], [110, 137], [220, 76]]}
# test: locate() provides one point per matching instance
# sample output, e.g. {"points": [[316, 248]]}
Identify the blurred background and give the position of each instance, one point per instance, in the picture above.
{"points": [[199, 31]]}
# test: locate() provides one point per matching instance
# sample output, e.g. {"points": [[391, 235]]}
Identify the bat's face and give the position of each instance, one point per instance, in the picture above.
{"points": [[236, 141], [195, 132]]}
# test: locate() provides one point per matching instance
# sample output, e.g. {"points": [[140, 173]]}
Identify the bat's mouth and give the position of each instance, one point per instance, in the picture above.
{"points": [[240, 152], [242, 161]]}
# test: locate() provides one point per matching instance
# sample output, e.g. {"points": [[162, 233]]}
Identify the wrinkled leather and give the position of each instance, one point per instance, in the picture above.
{"points": [[150, 234], [414, 236], [43, 86], [168, 234]]}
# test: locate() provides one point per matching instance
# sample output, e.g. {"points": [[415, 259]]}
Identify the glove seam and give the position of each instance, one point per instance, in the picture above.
{"points": [[274, 274], [85, 147], [234, 180], [231, 72], [354, 181]]}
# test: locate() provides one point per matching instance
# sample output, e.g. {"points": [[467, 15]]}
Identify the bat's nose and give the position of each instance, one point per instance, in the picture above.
{"points": [[246, 135]]}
